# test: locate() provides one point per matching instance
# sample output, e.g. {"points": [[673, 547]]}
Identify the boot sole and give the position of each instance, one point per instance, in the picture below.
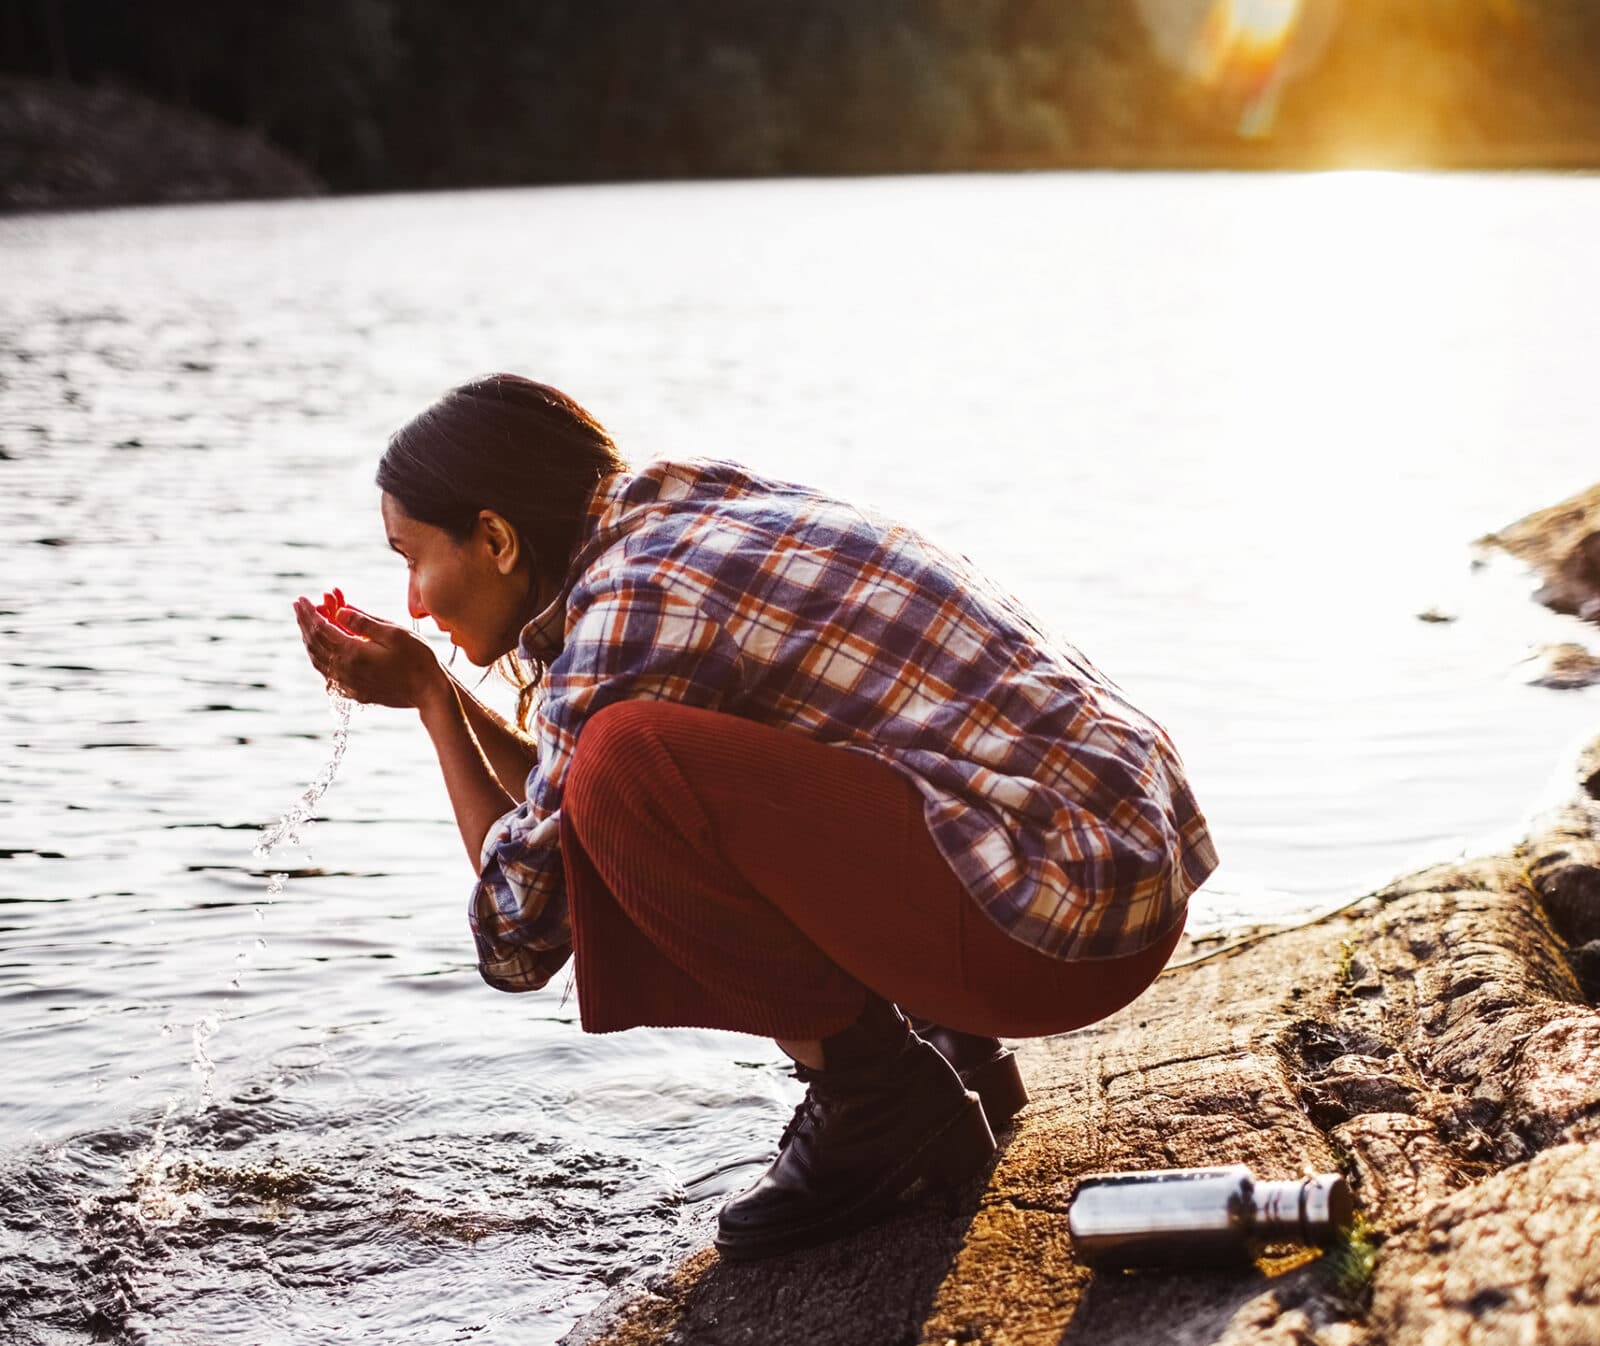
{"points": [[949, 1157], [998, 1083]]}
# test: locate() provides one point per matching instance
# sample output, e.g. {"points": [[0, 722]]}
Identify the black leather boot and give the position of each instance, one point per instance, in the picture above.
{"points": [[985, 1067], [862, 1137]]}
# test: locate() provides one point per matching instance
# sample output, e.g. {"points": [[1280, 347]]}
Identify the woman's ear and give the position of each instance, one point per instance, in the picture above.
{"points": [[505, 547]]}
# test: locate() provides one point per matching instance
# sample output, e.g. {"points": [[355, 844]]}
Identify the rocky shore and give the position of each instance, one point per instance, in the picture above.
{"points": [[1436, 1041], [65, 147], [1561, 545]]}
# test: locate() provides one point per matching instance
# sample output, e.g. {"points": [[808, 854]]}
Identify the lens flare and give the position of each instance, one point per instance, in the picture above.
{"points": [[1240, 49], [1245, 53]]}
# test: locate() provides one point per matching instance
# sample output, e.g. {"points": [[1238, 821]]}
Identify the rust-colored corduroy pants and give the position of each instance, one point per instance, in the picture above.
{"points": [[726, 874]]}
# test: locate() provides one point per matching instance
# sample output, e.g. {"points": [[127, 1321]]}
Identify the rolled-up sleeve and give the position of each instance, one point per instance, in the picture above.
{"points": [[519, 910], [629, 637]]}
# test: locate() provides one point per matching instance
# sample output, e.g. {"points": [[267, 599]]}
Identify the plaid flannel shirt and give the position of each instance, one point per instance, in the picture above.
{"points": [[1061, 808]]}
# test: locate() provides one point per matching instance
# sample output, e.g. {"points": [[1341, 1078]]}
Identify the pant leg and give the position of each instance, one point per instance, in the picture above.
{"points": [[726, 874]]}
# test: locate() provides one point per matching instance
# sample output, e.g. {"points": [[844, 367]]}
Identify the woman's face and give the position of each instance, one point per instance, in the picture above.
{"points": [[476, 590]]}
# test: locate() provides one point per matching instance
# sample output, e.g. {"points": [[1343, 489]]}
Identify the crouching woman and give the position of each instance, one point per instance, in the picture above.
{"points": [[783, 767]]}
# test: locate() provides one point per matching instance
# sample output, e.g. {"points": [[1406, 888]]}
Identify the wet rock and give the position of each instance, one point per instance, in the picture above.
{"points": [[1585, 964], [1572, 896], [1588, 770], [1562, 545], [1565, 667], [1563, 863]]}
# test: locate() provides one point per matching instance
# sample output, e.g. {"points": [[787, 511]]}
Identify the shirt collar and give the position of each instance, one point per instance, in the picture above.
{"points": [[544, 635]]}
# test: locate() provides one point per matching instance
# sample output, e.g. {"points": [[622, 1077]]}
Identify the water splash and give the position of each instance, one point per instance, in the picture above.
{"points": [[201, 1066], [159, 1195]]}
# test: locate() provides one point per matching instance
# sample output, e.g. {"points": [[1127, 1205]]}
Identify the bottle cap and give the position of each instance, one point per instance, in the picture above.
{"points": [[1327, 1202]]}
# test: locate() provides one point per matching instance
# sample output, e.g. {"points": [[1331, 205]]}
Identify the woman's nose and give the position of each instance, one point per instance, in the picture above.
{"points": [[414, 603]]}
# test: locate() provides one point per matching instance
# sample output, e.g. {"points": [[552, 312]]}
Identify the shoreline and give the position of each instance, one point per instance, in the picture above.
{"points": [[311, 188], [67, 146]]}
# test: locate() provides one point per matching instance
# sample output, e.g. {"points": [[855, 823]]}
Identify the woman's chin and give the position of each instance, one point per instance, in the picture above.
{"points": [[481, 658]]}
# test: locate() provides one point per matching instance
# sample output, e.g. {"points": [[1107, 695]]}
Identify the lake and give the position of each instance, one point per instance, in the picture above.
{"points": [[1231, 435]]}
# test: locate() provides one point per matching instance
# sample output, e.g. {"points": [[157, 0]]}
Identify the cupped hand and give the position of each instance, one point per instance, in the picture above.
{"points": [[366, 659]]}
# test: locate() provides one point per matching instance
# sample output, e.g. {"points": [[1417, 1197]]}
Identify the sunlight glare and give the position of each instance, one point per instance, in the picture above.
{"points": [[1244, 32], [1351, 348], [1240, 47], [1245, 53], [1264, 22]]}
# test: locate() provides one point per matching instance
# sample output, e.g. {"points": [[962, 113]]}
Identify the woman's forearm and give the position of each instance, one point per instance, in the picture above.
{"points": [[511, 756], [476, 794]]}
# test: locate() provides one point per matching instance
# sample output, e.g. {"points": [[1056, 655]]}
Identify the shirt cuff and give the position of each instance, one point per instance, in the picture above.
{"points": [[544, 833]]}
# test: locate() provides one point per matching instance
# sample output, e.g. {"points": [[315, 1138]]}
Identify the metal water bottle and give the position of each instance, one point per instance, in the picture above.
{"points": [[1200, 1216]]}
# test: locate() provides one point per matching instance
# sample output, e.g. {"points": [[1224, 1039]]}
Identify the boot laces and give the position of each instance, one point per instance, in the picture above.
{"points": [[803, 1111]]}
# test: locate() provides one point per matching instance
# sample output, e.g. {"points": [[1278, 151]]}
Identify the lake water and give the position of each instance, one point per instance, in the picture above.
{"points": [[1231, 435]]}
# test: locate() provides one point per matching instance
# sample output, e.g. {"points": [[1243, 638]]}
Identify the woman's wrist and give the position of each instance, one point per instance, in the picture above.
{"points": [[438, 696]]}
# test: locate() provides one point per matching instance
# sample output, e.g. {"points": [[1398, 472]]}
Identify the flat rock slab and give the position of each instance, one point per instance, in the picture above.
{"points": [[1431, 1042]]}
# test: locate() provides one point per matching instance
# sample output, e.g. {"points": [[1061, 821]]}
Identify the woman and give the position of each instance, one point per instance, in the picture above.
{"points": [[793, 771]]}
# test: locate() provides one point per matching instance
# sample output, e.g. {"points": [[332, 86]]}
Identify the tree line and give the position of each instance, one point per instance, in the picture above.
{"points": [[383, 94]]}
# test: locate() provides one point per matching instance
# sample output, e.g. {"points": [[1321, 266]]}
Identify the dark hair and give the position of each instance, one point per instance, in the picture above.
{"points": [[522, 449]]}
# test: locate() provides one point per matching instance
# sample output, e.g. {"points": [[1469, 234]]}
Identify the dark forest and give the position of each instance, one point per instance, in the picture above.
{"points": [[388, 94]]}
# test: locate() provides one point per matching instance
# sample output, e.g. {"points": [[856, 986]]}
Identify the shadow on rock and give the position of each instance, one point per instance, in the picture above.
{"points": [[877, 1286], [1118, 1308]]}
